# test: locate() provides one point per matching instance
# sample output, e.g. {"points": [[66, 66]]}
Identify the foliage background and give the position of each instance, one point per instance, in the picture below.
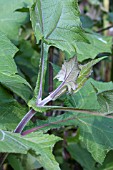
{"points": [[74, 152]]}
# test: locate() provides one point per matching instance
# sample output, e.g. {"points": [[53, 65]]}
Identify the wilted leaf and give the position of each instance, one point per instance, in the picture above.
{"points": [[69, 73]]}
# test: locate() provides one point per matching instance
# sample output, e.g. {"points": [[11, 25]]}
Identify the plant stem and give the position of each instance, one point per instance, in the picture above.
{"points": [[24, 121], [3, 157], [46, 125], [32, 112], [51, 70], [50, 77], [63, 120], [105, 29], [51, 96], [39, 98]]}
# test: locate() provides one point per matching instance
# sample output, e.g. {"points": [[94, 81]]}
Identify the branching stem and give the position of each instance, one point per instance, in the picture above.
{"points": [[32, 112]]}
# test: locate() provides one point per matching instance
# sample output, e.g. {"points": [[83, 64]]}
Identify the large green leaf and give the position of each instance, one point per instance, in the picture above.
{"points": [[23, 162], [10, 19], [101, 87], [105, 100], [85, 159], [105, 96], [81, 155], [97, 151], [41, 144], [11, 112], [98, 44], [57, 23], [8, 71], [96, 132], [28, 61], [108, 163], [85, 98]]}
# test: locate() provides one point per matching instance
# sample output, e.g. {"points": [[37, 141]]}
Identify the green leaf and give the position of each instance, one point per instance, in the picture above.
{"points": [[105, 100], [97, 151], [96, 131], [94, 2], [15, 162], [23, 162], [8, 71], [81, 155], [104, 95], [93, 128], [108, 163], [28, 61], [87, 22], [85, 98], [98, 44], [85, 72], [60, 26], [10, 19], [41, 144], [10, 110], [101, 86]]}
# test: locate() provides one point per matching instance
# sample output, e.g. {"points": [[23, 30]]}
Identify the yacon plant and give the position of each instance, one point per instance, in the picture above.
{"points": [[85, 103]]}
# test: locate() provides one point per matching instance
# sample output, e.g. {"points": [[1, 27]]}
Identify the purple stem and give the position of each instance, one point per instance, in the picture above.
{"points": [[24, 121], [32, 112], [51, 96], [46, 125]]}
